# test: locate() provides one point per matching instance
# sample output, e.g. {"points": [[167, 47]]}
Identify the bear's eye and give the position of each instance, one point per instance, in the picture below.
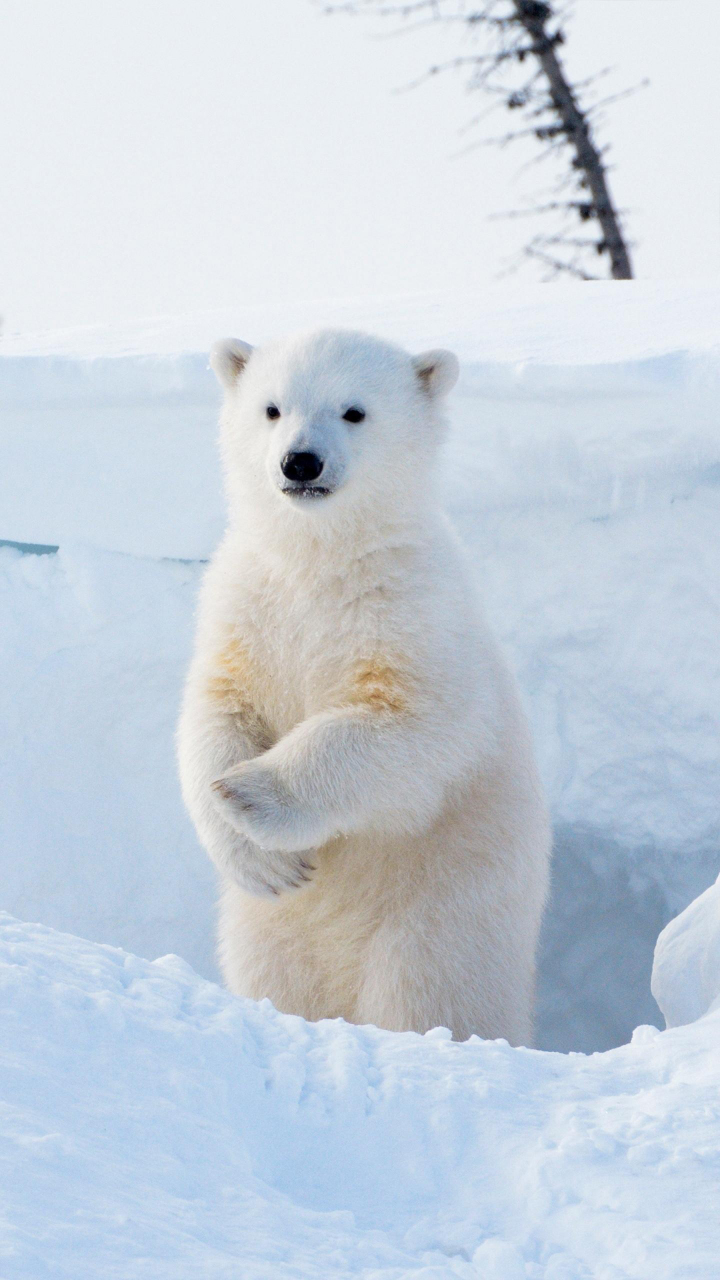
{"points": [[272, 411], [354, 415]]}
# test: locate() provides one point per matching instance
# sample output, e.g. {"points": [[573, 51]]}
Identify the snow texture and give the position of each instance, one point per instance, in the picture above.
{"points": [[154, 1126], [584, 473]]}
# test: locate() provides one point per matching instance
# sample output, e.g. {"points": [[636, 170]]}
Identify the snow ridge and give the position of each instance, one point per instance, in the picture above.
{"points": [[169, 1129]]}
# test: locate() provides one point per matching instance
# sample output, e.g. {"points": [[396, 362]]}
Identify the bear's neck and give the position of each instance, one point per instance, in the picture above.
{"points": [[338, 537]]}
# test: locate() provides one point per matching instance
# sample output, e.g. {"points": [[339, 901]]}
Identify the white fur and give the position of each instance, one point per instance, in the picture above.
{"points": [[352, 749]]}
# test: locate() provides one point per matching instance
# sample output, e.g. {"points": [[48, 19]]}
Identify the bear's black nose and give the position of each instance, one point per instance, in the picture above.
{"points": [[301, 466]]}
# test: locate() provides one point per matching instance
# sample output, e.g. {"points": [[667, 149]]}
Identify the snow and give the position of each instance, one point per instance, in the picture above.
{"points": [[95, 838], [153, 1125], [584, 474], [588, 395], [686, 970]]}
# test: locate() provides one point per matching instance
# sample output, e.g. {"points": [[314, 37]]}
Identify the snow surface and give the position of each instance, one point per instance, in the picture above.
{"points": [[686, 969], [154, 1126], [584, 473]]}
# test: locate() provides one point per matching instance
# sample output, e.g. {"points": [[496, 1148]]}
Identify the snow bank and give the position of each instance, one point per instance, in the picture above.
{"points": [[686, 970], [584, 473], [587, 396], [94, 836], [154, 1126]]}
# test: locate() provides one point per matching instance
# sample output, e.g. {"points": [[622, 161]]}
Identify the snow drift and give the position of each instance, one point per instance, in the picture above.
{"points": [[154, 1126], [686, 970], [583, 472]]}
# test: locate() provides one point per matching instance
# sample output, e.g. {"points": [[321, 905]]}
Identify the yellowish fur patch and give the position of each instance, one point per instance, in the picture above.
{"points": [[378, 685], [233, 684], [232, 676]]}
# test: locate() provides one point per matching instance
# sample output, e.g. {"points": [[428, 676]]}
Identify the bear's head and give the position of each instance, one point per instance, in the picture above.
{"points": [[330, 422]]}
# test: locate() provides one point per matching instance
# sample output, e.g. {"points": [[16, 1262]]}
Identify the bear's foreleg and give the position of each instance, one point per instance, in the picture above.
{"points": [[338, 772], [210, 741]]}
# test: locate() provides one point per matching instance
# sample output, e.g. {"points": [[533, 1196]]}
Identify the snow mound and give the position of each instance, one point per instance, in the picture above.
{"points": [[153, 1125], [686, 971]]}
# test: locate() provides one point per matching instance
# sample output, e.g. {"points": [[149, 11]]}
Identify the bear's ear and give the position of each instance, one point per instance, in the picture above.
{"points": [[437, 371], [228, 359]]}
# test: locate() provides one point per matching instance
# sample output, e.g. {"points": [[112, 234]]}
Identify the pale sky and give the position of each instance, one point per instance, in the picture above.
{"points": [[166, 156]]}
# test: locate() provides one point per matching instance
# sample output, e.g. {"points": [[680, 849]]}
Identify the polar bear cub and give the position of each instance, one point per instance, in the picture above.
{"points": [[352, 749]]}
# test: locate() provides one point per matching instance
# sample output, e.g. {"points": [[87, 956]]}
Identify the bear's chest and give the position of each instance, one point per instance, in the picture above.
{"points": [[296, 644]]}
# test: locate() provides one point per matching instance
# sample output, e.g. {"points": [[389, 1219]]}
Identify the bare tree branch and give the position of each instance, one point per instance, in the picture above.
{"points": [[519, 35], [557, 265]]}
